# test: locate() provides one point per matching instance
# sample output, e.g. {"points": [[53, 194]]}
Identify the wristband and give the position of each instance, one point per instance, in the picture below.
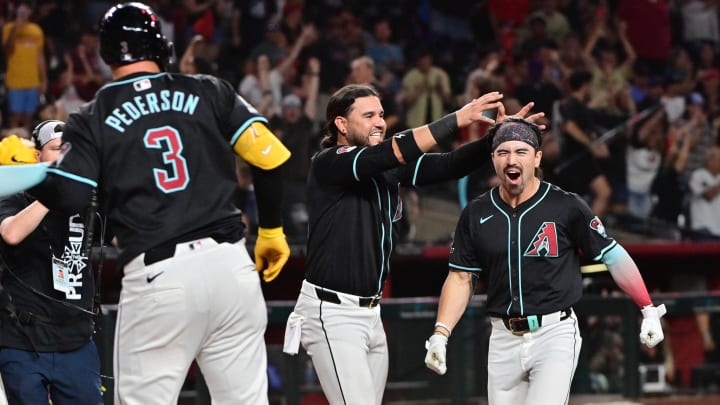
{"points": [[443, 326], [408, 145], [444, 128]]}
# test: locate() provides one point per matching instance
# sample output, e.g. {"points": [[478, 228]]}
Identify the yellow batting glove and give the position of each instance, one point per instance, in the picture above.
{"points": [[14, 152], [271, 247]]}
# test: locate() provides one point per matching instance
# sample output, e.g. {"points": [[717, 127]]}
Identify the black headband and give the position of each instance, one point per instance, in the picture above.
{"points": [[515, 131]]}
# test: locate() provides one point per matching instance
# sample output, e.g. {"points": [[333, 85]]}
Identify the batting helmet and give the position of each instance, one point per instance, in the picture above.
{"points": [[130, 32]]}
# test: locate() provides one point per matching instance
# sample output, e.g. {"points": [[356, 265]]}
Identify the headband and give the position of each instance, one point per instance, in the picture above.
{"points": [[515, 132]]}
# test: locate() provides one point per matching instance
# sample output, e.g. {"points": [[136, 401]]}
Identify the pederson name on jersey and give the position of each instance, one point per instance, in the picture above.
{"points": [[151, 103]]}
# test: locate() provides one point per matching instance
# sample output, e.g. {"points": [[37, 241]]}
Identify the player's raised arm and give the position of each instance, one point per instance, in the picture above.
{"points": [[426, 137]]}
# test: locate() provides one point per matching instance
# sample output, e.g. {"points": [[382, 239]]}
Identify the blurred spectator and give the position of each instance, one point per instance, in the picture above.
{"points": [[291, 21], [255, 84], [296, 127], [283, 78], [249, 21], [669, 187], [191, 63], [571, 54], [274, 45], [89, 71], [201, 18], [705, 203], [342, 42], [542, 86], [644, 158], [556, 24], [26, 74], [700, 21], [610, 83], [388, 56], [362, 71], [681, 66], [648, 30], [581, 174], [425, 91], [697, 117]]}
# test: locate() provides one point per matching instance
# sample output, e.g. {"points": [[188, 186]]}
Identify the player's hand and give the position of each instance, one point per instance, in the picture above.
{"points": [[473, 111], [271, 248], [435, 357], [650, 330], [523, 113], [14, 152]]}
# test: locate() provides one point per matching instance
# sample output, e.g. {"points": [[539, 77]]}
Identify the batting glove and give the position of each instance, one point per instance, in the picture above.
{"points": [[650, 330], [14, 152], [435, 357], [271, 248]]}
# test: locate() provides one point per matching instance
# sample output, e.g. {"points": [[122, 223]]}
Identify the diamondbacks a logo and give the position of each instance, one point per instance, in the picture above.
{"points": [[598, 226], [545, 242]]}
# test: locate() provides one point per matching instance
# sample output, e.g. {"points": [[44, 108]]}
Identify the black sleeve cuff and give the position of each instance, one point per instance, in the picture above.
{"points": [[269, 186]]}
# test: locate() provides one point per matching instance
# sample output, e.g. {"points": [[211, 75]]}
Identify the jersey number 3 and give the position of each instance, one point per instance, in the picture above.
{"points": [[168, 139]]}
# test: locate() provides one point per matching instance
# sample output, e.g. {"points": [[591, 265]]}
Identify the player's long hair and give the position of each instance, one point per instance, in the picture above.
{"points": [[340, 105]]}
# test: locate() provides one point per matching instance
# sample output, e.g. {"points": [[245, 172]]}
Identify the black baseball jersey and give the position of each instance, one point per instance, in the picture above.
{"points": [[57, 243], [159, 146], [353, 203], [531, 252]]}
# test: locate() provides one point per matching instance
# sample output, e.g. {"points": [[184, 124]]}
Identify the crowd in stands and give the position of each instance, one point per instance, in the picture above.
{"points": [[630, 88]]}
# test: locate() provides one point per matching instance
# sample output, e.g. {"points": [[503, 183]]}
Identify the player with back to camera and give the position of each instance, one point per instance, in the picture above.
{"points": [[353, 202], [533, 275], [159, 148]]}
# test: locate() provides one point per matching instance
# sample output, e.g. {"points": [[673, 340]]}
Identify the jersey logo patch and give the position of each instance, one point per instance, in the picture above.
{"points": [[545, 242], [598, 226], [485, 219], [142, 85], [345, 149]]}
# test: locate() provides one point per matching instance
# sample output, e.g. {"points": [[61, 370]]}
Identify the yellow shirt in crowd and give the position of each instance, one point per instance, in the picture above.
{"points": [[23, 69]]}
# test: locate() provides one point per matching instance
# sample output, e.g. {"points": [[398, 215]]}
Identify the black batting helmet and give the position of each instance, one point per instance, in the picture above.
{"points": [[130, 32]]}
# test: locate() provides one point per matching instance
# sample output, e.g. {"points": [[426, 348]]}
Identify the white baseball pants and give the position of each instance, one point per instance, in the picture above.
{"points": [[204, 303]]}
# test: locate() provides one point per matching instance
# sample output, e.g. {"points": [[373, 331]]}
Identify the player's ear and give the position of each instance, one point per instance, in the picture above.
{"points": [[341, 124]]}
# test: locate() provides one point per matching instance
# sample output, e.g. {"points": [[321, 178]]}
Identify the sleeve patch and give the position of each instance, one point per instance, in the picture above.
{"points": [[597, 226]]}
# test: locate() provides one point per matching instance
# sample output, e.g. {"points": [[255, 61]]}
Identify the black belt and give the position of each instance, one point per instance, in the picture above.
{"points": [[159, 253], [520, 325], [331, 296], [167, 250]]}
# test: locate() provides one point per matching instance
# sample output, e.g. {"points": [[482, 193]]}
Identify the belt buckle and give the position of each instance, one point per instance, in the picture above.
{"points": [[512, 322], [374, 301]]}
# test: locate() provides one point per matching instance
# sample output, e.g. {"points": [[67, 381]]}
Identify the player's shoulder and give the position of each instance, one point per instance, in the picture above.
{"points": [[558, 194]]}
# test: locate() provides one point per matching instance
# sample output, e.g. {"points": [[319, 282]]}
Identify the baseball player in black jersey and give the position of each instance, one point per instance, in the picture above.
{"points": [[533, 275], [353, 201], [46, 329], [159, 148]]}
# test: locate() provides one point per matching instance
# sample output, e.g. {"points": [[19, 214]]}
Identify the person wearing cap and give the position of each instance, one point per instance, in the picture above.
{"points": [[525, 235], [46, 328]]}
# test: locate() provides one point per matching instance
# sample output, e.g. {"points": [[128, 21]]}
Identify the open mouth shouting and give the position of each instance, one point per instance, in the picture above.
{"points": [[513, 174]]}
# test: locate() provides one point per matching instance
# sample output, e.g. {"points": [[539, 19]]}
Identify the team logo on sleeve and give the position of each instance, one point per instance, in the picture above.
{"points": [[345, 149], [545, 242], [598, 227]]}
